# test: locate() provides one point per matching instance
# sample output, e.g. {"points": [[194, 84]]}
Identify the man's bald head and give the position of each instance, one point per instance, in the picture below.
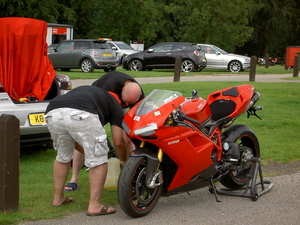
{"points": [[131, 93]]}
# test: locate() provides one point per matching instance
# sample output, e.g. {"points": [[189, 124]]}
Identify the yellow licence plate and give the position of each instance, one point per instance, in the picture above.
{"points": [[37, 119], [106, 54]]}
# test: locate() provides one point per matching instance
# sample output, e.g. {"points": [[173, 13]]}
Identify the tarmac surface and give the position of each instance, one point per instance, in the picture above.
{"points": [[279, 206], [145, 80]]}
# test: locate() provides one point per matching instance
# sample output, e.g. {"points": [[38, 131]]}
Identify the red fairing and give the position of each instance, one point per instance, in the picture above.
{"points": [[25, 68], [241, 95]]}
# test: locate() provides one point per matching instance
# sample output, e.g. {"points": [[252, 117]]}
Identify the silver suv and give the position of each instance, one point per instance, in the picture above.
{"points": [[122, 49], [87, 54]]}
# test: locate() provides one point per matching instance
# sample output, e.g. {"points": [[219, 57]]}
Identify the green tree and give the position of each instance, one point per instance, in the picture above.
{"points": [[129, 20], [223, 23], [275, 24], [49, 11]]}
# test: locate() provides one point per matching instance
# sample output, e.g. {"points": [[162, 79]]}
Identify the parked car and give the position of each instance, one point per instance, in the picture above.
{"points": [[163, 55], [217, 58], [28, 80], [122, 49], [87, 54], [30, 112], [52, 46]]}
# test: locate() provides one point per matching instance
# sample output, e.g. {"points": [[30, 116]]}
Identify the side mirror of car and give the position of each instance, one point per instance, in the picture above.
{"points": [[218, 53], [114, 48], [150, 50]]}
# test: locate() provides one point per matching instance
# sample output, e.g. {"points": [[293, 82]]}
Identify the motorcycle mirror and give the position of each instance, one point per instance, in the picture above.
{"points": [[194, 94]]}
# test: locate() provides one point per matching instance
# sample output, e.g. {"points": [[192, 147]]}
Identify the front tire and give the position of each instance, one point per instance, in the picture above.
{"points": [[135, 198], [249, 147], [187, 66], [87, 66], [235, 66], [135, 65]]}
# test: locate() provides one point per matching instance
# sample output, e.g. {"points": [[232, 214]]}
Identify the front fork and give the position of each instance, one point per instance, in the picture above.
{"points": [[152, 169]]}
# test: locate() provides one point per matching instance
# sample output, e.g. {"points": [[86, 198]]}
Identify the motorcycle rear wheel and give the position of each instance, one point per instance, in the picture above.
{"points": [[249, 147], [135, 198]]}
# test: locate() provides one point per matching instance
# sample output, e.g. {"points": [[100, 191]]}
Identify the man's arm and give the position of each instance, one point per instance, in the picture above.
{"points": [[119, 142]]}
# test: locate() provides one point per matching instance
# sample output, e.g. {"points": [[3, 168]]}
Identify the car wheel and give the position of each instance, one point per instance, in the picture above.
{"points": [[87, 66], [123, 57], [135, 65], [187, 66], [235, 66]]}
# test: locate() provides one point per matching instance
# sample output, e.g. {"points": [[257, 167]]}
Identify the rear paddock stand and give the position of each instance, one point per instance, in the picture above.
{"points": [[251, 188]]}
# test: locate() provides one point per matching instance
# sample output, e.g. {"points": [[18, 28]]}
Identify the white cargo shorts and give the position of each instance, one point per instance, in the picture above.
{"points": [[67, 125]]}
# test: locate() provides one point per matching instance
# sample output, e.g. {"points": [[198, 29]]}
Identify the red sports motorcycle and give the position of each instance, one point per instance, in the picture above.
{"points": [[186, 144]]}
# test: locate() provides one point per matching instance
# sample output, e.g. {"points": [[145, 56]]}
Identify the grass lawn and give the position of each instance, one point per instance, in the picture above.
{"points": [[278, 133]]}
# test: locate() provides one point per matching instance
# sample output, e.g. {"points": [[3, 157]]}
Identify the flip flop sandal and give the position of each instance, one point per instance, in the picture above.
{"points": [[102, 212], [67, 200], [71, 185]]}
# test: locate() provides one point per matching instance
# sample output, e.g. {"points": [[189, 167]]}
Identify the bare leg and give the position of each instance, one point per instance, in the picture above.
{"points": [[60, 175], [97, 176], [78, 160]]}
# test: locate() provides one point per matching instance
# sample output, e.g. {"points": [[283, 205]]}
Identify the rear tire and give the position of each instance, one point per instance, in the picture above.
{"points": [[187, 66], [235, 66], [135, 199], [249, 147], [87, 66]]}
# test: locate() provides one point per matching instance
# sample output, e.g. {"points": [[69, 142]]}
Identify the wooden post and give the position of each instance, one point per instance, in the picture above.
{"points": [[252, 71], [267, 60], [177, 69], [296, 65], [9, 163]]}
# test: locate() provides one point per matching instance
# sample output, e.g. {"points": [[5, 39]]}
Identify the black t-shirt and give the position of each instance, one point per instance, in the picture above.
{"points": [[91, 99], [114, 81]]}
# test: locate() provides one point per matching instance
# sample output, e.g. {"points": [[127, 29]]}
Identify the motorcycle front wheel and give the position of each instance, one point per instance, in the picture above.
{"points": [[237, 178], [135, 198]]}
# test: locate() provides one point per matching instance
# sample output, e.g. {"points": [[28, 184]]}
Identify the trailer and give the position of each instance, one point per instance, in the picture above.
{"points": [[291, 52], [58, 32]]}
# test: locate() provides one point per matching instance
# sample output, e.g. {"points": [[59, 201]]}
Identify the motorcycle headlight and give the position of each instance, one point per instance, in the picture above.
{"points": [[146, 131]]}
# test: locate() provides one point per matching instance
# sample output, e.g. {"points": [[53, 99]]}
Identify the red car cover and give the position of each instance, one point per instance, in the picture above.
{"points": [[25, 69]]}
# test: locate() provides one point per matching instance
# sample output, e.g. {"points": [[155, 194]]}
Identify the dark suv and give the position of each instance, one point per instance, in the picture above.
{"points": [[86, 54], [163, 55]]}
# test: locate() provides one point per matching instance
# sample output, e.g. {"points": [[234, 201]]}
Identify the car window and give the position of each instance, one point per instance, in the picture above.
{"points": [[100, 45], [177, 47], [66, 45], [111, 44], [163, 48], [82, 45], [208, 49], [220, 50], [124, 46]]}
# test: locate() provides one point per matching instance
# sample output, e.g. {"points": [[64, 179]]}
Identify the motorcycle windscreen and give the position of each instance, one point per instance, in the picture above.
{"points": [[25, 69], [156, 99]]}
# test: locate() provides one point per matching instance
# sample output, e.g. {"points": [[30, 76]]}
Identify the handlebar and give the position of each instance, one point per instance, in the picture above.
{"points": [[182, 116]]}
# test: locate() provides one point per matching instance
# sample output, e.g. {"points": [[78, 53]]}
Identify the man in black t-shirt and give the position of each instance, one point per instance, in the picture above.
{"points": [[79, 117], [117, 82], [128, 92]]}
